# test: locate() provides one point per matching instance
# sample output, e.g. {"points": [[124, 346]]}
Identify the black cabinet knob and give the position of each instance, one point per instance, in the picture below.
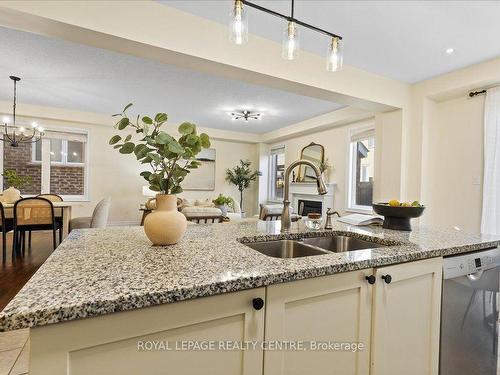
{"points": [[371, 279], [387, 278], [258, 303]]}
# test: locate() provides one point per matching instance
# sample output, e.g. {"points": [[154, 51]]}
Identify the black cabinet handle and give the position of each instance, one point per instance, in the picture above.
{"points": [[387, 278], [371, 279], [258, 303]]}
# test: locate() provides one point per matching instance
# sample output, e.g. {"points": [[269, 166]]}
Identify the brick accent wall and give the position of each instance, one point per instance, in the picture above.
{"points": [[64, 180], [19, 159], [67, 180]]}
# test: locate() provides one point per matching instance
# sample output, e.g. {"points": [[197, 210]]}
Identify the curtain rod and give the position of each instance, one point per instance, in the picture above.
{"points": [[475, 93]]}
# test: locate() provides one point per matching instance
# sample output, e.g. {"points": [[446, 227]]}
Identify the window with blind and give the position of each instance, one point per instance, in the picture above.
{"points": [[362, 168], [276, 173], [57, 164]]}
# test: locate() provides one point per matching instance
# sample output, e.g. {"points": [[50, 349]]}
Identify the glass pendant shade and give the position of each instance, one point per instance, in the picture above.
{"points": [[290, 46], [238, 24], [335, 55]]}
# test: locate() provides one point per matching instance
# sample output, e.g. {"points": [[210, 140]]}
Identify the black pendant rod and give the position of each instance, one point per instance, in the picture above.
{"points": [[475, 93], [15, 79], [290, 18]]}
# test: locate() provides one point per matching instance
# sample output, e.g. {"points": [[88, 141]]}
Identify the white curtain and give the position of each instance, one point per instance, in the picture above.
{"points": [[490, 221]]}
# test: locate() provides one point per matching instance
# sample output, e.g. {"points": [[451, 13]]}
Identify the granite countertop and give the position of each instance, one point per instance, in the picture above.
{"points": [[101, 271]]}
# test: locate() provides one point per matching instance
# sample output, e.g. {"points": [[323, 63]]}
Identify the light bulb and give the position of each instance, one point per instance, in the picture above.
{"points": [[290, 46], [5, 119], [34, 124], [22, 129], [40, 129], [335, 55], [238, 24]]}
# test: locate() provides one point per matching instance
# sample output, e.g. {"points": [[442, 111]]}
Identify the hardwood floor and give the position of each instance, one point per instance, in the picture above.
{"points": [[14, 274]]}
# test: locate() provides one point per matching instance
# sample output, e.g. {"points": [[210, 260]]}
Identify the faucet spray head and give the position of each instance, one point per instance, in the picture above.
{"points": [[322, 190]]}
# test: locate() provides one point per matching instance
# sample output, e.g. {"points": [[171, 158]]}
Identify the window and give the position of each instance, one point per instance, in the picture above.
{"points": [[62, 151], [56, 164], [276, 173], [361, 171]]}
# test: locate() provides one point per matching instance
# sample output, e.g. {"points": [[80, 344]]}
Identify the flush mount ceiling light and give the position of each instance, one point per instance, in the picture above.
{"points": [[245, 115], [238, 33], [15, 135]]}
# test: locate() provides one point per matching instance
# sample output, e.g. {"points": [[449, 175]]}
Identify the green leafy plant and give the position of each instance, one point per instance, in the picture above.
{"points": [[170, 160], [222, 200], [241, 176], [15, 180], [324, 165]]}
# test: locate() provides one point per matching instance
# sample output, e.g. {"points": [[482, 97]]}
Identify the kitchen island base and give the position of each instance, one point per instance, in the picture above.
{"points": [[143, 341]]}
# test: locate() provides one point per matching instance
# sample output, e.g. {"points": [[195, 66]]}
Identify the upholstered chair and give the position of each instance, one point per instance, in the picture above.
{"points": [[99, 218]]}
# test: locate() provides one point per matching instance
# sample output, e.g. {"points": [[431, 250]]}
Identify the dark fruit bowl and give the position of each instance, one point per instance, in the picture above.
{"points": [[397, 218]]}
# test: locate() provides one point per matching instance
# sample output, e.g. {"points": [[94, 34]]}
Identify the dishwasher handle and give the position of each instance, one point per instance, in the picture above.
{"points": [[475, 276]]}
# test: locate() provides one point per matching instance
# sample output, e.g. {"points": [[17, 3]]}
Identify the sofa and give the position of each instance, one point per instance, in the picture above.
{"points": [[194, 209], [271, 212]]}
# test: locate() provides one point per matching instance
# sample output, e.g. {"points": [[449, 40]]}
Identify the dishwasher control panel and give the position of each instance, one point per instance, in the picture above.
{"points": [[466, 264]]}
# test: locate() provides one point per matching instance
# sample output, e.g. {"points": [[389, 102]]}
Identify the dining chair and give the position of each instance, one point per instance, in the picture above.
{"points": [[58, 212], [32, 214], [7, 226], [99, 218]]}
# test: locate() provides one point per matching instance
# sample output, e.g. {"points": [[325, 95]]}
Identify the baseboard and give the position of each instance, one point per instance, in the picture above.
{"points": [[123, 223]]}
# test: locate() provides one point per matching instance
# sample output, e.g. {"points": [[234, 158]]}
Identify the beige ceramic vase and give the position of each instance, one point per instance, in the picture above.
{"points": [[165, 225], [11, 195]]}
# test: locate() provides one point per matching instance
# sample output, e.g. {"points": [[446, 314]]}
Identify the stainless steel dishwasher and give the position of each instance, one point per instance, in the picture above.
{"points": [[469, 316]]}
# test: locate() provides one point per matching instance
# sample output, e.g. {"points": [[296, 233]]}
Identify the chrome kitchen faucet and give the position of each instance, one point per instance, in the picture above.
{"points": [[286, 218]]}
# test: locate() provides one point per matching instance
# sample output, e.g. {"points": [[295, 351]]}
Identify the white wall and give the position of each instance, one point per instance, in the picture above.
{"points": [[336, 143], [229, 155], [454, 168], [388, 133]]}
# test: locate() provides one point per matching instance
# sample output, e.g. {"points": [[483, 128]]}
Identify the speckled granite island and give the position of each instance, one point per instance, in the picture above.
{"points": [[98, 273]]}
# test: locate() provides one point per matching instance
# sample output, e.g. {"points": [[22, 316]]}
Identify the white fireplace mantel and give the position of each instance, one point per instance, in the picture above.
{"points": [[309, 191]]}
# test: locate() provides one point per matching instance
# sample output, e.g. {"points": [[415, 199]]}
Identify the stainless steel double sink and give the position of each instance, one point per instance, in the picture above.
{"points": [[311, 246]]}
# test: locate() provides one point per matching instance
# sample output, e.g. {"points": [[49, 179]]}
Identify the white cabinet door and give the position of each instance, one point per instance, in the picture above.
{"points": [[122, 343], [332, 309], [406, 319]]}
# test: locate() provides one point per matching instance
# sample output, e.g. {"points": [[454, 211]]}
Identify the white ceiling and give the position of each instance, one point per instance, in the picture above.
{"points": [[62, 74], [404, 40]]}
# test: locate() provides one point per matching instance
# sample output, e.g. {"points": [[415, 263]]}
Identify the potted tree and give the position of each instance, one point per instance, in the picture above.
{"points": [[170, 161], [241, 175], [15, 183]]}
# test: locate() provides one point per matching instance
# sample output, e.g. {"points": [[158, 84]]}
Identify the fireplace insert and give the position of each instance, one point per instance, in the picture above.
{"points": [[309, 207]]}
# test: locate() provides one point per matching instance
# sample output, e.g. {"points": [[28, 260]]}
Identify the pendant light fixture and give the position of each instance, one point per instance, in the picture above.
{"points": [[238, 30], [334, 56], [16, 135], [238, 24], [290, 47]]}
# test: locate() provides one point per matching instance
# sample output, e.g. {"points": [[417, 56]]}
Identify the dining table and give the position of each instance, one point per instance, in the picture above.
{"points": [[65, 211]]}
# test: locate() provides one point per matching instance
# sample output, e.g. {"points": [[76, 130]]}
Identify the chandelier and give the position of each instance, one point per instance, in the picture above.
{"points": [[245, 115], [238, 34], [14, 134]]}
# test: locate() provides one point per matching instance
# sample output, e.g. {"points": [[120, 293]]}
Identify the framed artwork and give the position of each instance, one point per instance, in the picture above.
{"points": [[202, 178]]}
